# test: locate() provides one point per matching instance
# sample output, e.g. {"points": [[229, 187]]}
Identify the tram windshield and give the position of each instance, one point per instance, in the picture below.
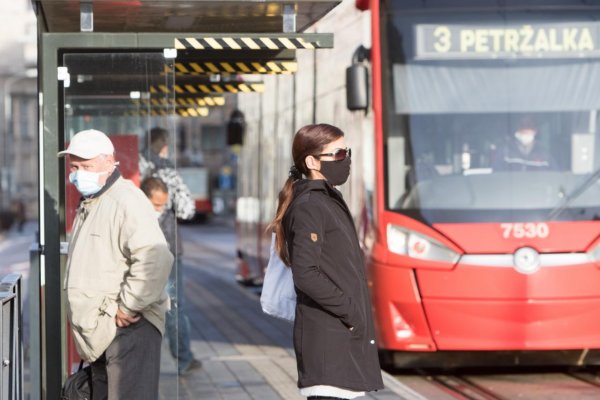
{"points": [[493, 116]]}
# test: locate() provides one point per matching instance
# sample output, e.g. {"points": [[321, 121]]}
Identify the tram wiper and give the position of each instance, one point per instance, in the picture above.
{"points": [[575, 193]]}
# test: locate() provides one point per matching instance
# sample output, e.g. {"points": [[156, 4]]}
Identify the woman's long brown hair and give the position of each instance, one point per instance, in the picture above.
{"points": [[309, 140]]}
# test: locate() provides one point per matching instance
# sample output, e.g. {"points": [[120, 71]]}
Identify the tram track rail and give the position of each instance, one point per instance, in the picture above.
{"points": [[591, 378], [502, 384], [462, 388]]}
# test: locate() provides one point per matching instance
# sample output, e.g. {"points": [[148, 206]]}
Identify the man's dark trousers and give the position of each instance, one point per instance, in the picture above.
{"points": [[129, 369]]}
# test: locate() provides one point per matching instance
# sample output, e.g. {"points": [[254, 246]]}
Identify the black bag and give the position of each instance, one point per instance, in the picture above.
{"points": [[79, 385]]}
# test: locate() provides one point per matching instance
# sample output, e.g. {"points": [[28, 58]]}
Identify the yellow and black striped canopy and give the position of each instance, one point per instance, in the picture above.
{"points": [[256, 42], [233, 67], [202, 101], [208, 88], [183, 111]]}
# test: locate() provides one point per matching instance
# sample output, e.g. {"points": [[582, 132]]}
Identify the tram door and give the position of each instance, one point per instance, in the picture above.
{"points": [[126, 96]]}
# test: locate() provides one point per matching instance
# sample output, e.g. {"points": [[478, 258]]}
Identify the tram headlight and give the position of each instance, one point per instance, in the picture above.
{"points": [[410, 243]]}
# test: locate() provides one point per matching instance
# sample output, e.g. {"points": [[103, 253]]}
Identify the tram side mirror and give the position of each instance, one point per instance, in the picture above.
{"points": [[236, 128], [357, 81], [357, 88]]}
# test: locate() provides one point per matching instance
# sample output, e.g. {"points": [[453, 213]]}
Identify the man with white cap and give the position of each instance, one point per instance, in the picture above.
{"points": [[116, 274]]}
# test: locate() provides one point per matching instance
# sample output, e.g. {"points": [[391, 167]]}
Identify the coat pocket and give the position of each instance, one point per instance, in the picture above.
{"points": [[356, 318], [337, 351], [86, 311], [93, 322]]}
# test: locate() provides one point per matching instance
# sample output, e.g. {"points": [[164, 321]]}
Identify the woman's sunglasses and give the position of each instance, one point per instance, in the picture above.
{"points": [[338, 154]]}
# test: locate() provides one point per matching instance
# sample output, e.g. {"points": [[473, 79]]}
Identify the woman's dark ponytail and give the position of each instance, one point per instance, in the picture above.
{"points": [[285, 198]]}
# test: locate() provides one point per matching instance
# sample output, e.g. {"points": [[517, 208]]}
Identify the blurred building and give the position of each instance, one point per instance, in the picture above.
{"points": [[18, 85]]}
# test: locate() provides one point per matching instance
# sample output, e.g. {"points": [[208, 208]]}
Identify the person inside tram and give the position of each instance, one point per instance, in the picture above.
{"points": [[524, 151]]}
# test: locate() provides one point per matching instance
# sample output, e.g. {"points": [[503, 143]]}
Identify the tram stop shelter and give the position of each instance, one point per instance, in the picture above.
{"points": [[123, 67]]}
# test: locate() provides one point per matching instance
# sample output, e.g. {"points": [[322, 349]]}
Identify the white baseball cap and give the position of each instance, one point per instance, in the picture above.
{"points": [[89, 144]]}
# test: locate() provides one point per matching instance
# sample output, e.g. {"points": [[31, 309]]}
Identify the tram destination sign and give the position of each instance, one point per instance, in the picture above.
{"points": [[558, 40]]}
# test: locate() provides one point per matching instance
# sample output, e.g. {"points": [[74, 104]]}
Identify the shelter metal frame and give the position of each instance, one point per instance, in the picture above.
{"points": [[49, 339]]}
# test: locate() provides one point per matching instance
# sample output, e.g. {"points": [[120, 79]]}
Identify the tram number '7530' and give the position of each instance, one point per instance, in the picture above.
{"points": [[528, 230]]}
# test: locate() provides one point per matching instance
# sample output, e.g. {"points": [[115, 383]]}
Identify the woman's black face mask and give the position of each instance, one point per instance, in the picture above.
{"points": [[336, 172]]}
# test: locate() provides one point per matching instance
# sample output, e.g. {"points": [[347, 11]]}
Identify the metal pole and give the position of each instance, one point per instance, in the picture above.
{"points": [[11, 283], [35, 332]]}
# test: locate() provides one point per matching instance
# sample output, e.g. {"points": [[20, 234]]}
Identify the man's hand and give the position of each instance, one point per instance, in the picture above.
{"points": [[123, 320]]}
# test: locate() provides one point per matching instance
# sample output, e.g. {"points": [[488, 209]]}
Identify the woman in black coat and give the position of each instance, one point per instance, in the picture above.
{"points": [[334, 337]]}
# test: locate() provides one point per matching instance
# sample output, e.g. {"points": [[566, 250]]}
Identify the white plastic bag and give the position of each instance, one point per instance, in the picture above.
{"points": [[278, 297]]}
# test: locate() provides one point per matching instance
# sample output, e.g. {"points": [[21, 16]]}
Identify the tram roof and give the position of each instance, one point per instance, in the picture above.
{"points": [[181, 16]]}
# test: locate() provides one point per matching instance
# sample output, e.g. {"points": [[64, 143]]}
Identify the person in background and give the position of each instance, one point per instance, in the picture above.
{"points": [[155, 162], [178, 324], [20, 216], [334, 337], [117, 269]]}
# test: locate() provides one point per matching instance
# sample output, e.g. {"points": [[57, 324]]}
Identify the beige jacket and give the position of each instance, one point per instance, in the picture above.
{"points": [[118, 257]]}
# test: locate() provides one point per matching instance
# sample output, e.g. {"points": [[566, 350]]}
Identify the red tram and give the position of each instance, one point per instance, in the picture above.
{"points": [[476, 185]]}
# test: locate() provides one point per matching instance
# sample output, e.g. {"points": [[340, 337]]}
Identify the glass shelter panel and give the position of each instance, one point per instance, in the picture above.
{"points": [[493, 115], [130, 97]]}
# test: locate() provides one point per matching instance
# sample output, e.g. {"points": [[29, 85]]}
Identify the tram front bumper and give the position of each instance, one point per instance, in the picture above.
{"points": [[483, 308]]}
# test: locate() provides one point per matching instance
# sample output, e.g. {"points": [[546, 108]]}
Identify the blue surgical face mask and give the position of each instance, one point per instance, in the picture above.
{"points": [[86, 182]]}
